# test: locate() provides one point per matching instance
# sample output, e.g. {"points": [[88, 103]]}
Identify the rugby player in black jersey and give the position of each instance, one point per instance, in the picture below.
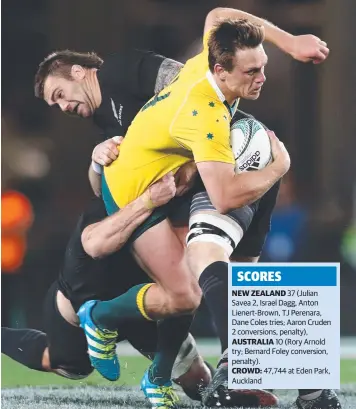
{"points": [[62, 348]]}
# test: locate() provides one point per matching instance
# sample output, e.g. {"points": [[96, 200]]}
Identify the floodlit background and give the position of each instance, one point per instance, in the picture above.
{"points": [[45, 155]]}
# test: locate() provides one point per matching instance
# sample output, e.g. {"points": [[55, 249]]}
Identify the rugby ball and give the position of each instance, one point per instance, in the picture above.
{"points": [[250, 144]]}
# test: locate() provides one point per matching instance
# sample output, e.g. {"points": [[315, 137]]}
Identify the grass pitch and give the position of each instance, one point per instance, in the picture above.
{"points": [[23, 388]]}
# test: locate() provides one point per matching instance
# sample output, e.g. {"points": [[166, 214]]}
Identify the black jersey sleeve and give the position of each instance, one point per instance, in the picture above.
{"points": [[93, 214]]}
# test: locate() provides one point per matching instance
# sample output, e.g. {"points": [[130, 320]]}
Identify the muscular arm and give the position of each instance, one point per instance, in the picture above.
{"points": [[109, 235], [216, 165], [228, 191], [303, 48], [275, 35]]}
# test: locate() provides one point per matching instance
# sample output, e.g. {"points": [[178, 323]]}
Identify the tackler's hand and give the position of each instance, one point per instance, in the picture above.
{"points": [[160, 192], [108, 151]]}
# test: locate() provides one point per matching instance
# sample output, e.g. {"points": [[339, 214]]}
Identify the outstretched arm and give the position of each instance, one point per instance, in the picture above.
{"points": [[303, 48]]}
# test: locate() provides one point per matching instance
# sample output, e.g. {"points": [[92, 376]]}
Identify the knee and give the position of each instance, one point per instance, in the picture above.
{"points": [[187, 300], [202, 255]]}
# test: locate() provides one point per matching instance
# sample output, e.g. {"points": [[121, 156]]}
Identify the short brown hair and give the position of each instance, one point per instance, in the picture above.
{"points": [[228, 37], [60, 63]]}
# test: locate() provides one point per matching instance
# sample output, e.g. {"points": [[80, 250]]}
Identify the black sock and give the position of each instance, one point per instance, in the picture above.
{"points": [[25, 346], [171, 333], [303, 392], [214, 284]]}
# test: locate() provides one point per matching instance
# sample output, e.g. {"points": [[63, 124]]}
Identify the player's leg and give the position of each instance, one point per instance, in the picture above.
{"points": [[189, 369], [169, 269], [29, 347], [136, 304], [211, 241], [249, 250], [175, 292], [25, 346], [261, 397], [61, 350], [172, 331], [164, 256]]}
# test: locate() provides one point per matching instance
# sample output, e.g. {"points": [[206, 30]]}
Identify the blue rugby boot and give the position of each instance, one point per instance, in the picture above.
{"points": [[101, 344], [160, 396]]}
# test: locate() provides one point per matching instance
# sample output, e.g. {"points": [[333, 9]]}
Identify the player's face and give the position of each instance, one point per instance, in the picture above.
{"points": [[247, 77], [69, 95]]}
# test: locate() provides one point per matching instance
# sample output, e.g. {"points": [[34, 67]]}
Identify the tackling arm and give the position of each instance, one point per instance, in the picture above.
{"points": [[109, 235]]}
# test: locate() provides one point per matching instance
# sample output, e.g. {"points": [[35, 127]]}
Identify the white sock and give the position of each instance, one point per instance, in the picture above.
{"points": [[312, 395]]}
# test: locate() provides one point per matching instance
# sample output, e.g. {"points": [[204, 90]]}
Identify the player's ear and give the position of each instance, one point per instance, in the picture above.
{"points": [[78, 72], [220, 72]]}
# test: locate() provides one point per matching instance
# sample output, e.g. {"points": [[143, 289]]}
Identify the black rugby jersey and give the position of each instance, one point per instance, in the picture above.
{"points": [[82, 278], [127, 81]]}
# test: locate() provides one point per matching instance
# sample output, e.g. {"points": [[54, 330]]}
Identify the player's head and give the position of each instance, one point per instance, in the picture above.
{"points": [[66, 79], [237, 58]]}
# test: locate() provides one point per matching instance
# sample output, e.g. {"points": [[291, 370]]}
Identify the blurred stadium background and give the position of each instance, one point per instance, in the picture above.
{"points": [[45, 155]]}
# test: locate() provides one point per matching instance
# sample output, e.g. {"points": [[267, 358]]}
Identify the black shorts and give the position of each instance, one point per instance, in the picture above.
{"points": [[68, 346]]}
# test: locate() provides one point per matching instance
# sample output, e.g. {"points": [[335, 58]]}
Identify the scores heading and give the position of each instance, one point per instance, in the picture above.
{"points": [[259, 276]]}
